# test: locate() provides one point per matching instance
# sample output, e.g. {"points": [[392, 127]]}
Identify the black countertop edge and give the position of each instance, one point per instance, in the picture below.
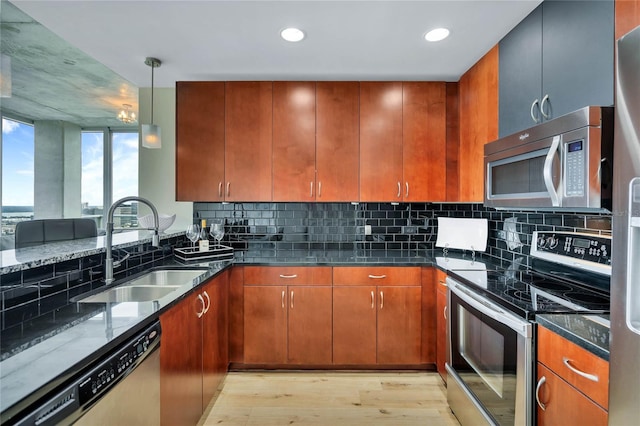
{"points": [[581, 330]]}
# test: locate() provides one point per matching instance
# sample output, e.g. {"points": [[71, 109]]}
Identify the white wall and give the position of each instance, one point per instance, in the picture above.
{"points": [[157, 167]]}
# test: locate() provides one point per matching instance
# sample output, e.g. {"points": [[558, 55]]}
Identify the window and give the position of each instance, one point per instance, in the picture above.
{"points": [[92, 185], [17, 173]]}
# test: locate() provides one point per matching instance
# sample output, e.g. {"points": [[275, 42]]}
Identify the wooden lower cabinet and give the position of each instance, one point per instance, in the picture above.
{"points": [[287, 325], [565, 405], [354, 325], [399, 325], [193, 353], [442, 349]]}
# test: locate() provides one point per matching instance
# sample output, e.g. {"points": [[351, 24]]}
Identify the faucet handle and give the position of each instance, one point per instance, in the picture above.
{"points": [[119, 262]]}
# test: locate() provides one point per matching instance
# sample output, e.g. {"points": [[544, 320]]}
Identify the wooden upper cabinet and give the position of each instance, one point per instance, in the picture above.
{"points": [[478, 92], [249, 142], [380, 141], [294, 140], [337, 140], [627, 16], [424, 141], [199, 141]]}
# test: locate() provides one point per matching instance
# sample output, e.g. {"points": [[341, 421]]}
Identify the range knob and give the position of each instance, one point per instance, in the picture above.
{"points": [[553, 242], [542, 242]]}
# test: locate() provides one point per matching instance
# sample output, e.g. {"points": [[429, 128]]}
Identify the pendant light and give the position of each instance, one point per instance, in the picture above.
{"points": [[151, 133]]}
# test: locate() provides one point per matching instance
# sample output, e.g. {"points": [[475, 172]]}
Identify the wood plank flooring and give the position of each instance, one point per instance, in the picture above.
{"points": [[330, 398]]}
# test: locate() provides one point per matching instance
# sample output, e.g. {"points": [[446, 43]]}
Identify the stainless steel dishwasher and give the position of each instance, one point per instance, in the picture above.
{"points": [[121, 388]]}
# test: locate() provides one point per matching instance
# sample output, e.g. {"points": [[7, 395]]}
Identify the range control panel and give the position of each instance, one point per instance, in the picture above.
{"points": [[566, 247]]}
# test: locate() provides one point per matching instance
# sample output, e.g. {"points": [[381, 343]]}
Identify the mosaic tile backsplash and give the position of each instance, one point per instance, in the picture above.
{"points": [[272, 227]]}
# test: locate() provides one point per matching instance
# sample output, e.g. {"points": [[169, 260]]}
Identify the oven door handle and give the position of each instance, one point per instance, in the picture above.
{"points": [[547, 173], [492, 310]]}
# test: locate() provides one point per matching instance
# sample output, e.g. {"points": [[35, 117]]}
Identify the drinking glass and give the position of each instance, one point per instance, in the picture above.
{"points": [[193, 233], [217, 230]]}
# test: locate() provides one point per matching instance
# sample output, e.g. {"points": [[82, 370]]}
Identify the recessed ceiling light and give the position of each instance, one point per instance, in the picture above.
{"points": [[437, 34], [292, 34]]}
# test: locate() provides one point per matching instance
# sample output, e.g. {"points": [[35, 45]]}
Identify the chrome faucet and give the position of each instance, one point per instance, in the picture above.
{"points": [[155, 242]]}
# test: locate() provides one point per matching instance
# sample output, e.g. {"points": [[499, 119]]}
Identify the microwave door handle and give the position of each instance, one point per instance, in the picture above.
{"points": [[547, 172]]}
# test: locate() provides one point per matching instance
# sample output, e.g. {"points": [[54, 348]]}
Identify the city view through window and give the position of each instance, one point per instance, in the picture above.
{"points": [[18, 149]]}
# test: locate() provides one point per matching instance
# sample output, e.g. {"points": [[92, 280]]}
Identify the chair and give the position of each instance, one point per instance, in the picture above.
{"points": [[36, 232]]}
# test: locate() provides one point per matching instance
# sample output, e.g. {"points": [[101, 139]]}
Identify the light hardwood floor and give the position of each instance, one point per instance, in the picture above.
{"points": [[330, 398]]}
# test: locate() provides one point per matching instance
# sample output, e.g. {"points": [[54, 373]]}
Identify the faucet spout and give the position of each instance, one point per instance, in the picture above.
{"points": [[108, 263]]}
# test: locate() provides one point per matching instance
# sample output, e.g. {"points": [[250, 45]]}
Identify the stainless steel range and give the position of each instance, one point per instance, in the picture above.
{"points": [[492, 323]]}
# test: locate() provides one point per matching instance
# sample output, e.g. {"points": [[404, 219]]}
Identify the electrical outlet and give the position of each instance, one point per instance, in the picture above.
{"points": [[367, 230], [502, 235]]}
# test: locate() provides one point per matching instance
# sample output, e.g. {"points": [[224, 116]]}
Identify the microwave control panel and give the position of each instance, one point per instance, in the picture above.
{"points": [[587, 247], [574, 168]]}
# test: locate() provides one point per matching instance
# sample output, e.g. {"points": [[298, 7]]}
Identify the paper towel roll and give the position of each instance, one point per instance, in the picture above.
{"points": [[462, 233]]}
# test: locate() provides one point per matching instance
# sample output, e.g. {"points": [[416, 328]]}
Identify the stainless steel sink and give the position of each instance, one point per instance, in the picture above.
{"points": [[166, 277], [131, 293]]}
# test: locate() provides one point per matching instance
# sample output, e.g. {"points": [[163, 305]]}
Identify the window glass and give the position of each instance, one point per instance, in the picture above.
{"points": [[125, 176], [92, 185], [17, 173]]}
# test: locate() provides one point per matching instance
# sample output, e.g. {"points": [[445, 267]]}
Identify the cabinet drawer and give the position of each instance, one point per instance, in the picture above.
{"points": [[287, 275], [561, 356], [377, 275]]}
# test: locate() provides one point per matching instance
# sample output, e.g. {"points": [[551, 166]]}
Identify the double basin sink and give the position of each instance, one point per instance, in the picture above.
{"points": [[151, 286]]}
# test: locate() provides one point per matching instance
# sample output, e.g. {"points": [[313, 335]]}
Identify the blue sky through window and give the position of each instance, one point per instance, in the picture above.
{"points": [[17, 163]]}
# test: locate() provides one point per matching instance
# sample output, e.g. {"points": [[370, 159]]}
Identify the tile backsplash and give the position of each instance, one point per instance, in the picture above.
{"points": [[272, 227]]}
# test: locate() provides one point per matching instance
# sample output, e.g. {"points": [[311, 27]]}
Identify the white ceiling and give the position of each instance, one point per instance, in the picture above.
{"points": [[239, 40]]}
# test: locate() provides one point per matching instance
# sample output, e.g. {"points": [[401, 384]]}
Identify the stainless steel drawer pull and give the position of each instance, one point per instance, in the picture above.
{"points": [[538, 386], [282, 299], [289, 276], [201, 313], [377, 277], [588, 376], [291, 299], [208, 302], [372, 301], [381, 300]]}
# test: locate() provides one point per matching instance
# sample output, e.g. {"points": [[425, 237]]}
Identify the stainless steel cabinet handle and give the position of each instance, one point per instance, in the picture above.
{"points": [[407, 191], [319, 189], [533, 117], [399, 189], [567, 362], [381, 300], [282, 300], [445, 312], [538, 386], [228, 188], [291, 299], [220, 189], [372, 301], [311, 192], [545, 100], [289, 276], [377, 277], [442, 283], [208, 302], [201, 313], [547, 173]]}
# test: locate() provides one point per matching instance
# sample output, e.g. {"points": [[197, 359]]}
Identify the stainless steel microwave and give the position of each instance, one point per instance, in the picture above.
{"points": [[563, 163]]}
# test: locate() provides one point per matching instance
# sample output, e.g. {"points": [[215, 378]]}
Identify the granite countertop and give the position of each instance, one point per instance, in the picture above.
{"points": [[590, 332], [29, 257]]}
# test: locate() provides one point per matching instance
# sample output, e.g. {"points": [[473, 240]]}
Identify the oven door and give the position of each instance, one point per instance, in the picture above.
{"points": [[490, 361]]}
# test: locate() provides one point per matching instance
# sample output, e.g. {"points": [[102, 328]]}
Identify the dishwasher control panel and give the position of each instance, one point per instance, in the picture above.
{"points": [[68, 405], [118, 365]]}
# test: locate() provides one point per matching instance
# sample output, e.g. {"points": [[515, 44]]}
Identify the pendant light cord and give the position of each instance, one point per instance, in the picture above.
{"points": [[152, 67]]}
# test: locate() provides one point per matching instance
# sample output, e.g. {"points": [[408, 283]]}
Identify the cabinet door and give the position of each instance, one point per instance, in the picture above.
{"points": [[265, 324], [424, 141], [294, 140], [521, 74], [215, 336], [380, 141], [199, 141], [577, 55], [181, 363], [354, 325], [399, 325], [478, 124], [337, 140], [564, 404], [248, 143], [310, 330], [442, 349]]}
